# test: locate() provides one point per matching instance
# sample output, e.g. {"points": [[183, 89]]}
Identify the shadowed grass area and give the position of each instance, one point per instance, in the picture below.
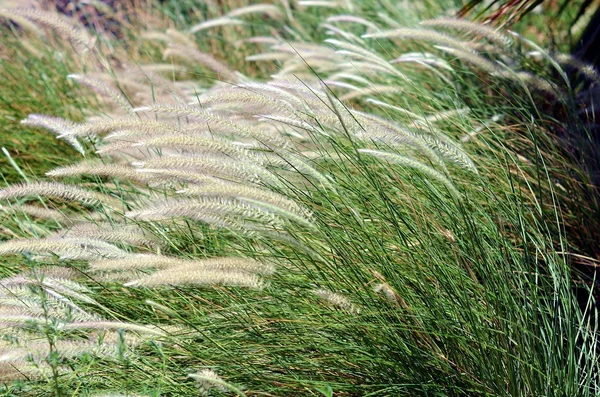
{"points": [[33, 80]]}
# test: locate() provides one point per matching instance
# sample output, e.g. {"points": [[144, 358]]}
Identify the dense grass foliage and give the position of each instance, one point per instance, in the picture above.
{"points": [[301, 198], [34, 80]]}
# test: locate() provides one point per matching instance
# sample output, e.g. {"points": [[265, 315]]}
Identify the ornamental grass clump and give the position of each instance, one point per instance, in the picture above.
{"points": [[390, 212]]}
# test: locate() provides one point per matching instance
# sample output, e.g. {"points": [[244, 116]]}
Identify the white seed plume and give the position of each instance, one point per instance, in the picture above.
{"points": [[381, 130], [215, 167], [175, 176], [199, 208], [204, 59], [448, 114], [61, 127], [268, 57], [354, 19], [246, 100], [471, 27], [53, 189], [333, 30], [271, 10], [23, 22], [218, 124], [198, 143], [137, 261], [586, 70], [113, 233], [74, 249], [472, 58], [450, 151], [115, 325], [207, 380], [337, 300], [424, 59], [356, 51], [97, 169], [319, 3], [148, 261], [223, 21], [377, 90], [225, 264], [40, 213], [241, 191], [208, 277], [414, 164], [275, 92], [57, 23], [303, 167], [418, 34], [387, 291], [123, 125], [103, 89]]}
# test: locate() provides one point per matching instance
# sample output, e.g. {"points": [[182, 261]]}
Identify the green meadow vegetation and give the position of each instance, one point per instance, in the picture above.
{"points": [[296, 198]]}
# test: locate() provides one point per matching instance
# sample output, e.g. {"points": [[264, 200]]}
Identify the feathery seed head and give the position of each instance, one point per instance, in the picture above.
{"points": [[56, 22], [471, 27], [61, 127], [103, 89], [209, 277], [223, 21], [52, 189], [98, 169], [411, 163], [337, 300], [207, 380], [418, 34], [271, 10]]}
